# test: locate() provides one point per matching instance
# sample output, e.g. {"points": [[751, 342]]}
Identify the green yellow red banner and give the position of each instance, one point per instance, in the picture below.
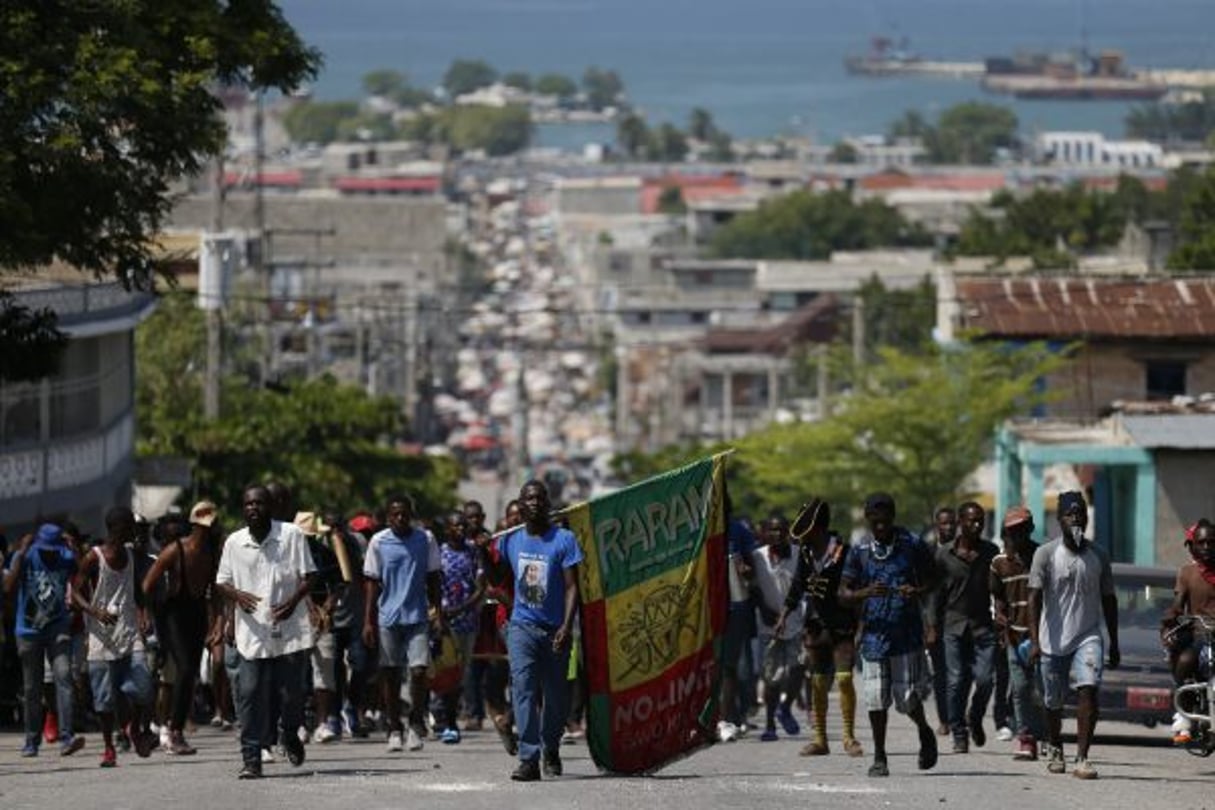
{"points": [[654, 607]]}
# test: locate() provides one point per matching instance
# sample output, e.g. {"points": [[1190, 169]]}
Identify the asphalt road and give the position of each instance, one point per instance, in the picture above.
{"points": [[1136, 772]]}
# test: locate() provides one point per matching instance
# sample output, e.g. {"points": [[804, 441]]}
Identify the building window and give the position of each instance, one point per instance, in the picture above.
{"points": [[1165, 379]]}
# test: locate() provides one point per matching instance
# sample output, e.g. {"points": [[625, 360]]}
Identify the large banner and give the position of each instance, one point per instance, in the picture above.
{"points": [[654, 605]]}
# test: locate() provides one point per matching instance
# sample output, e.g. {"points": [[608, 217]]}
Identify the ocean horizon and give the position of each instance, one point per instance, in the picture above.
{"points": [[762, 68]]}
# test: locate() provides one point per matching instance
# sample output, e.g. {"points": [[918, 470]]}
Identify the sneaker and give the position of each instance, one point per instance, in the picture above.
{"points": [[1056, 763], [165, 738], [927, 757], [324, 734], [351, 726], [727, 732], [769, 735], [71, 745], [178, 747], [268, 757], [552, 764], [394, 742], [978, 735], [109, 758], [142, 741], [510, 740], [450, 735], [295, 750], [413, 740], [961, 745], [1027, 749], [526, 772], [228, 725], [1083, 769], [879, 768], [50, 728], [30, 749], [1004, 734], [123, 741], [1182, 737], [743, 728], [217, 721], [251, 770], [787, 721]]}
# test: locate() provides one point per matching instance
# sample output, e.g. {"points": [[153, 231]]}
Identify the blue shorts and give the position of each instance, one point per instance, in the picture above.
{"points": [[405, 645], [129, 675], [1063, 672]]}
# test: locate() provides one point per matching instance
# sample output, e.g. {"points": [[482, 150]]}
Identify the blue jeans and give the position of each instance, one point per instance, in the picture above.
{"points": [[538, 675], [1026, 685], [33, 652], [261, 684], [969, 660]]}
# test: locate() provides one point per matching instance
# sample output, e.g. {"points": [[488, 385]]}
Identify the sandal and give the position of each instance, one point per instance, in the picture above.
{"points": [[853, 748], [815, 749]]}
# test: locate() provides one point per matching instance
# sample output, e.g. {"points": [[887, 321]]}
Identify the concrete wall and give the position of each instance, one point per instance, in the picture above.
{"points": [[1183, 495], [1104, 372]]}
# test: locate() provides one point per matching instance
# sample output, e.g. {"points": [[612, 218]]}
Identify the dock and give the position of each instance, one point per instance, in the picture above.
{"points": [[872, 66]]}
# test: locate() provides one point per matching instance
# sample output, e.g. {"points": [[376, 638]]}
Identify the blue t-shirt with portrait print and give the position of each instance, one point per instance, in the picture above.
{"points": [[539, 565]]}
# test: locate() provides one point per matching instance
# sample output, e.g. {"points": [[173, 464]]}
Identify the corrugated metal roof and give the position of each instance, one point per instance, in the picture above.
{"points": [[1056, 307], [1190, 431]]}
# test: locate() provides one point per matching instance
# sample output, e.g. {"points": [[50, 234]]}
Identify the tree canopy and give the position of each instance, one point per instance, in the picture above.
{"points": [[105, 105], [970, 133], [913, 423], [1196, 226], [554, 84], [603, 88], [809, 225], [1188, 122], [466, 75], [332, 443]]}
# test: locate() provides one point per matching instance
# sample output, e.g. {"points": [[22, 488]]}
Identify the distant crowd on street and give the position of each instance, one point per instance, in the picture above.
{"points": [[306, 628]]}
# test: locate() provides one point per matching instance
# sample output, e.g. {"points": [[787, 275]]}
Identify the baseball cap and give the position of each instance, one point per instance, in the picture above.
{"points": [[878, 501], [1016, 515], [203, 513]]}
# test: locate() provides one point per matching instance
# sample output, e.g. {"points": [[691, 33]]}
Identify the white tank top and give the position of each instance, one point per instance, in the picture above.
{"points": [[115, 593]]}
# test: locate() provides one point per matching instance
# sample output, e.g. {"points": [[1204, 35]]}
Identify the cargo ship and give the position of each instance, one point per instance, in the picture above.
{"points": [[888, 58], [1070, 77]]}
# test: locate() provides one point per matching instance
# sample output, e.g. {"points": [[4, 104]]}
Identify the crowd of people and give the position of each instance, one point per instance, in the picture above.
{"points": [[302, 627]]}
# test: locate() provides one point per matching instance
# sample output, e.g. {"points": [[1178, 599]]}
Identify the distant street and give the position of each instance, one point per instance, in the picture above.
{"points": [[1137, 772]]}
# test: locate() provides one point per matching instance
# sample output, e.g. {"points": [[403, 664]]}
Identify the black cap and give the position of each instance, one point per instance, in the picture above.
{"points": [[1070, 500], [879, 500]]}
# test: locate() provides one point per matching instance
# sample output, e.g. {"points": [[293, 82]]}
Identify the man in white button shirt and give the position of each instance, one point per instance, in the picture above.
{"points": [[265, 571]]}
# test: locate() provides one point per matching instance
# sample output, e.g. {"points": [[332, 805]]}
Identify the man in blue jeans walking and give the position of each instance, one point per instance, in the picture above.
{"points": [[40, 573], [543, 559], [963, 569]]}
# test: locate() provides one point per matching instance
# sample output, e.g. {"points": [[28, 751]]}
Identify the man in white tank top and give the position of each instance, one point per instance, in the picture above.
{"points": [[114, 618]]}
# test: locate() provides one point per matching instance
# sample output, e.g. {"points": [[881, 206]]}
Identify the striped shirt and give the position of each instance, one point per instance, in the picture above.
{"points": [[1009, 584]]}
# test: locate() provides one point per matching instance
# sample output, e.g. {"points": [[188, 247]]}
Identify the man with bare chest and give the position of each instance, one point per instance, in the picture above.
{"points": [[1193, 594]]}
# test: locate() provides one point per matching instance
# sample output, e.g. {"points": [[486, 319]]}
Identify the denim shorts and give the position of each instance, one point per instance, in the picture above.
{"points": [[128, 675], [1081, 668], [405, 645]]}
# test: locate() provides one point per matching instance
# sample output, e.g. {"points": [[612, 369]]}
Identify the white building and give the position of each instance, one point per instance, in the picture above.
{"points": [[1084, 149]]}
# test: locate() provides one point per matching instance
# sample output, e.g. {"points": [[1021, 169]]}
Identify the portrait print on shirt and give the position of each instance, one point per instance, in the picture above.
{"points": [[533, 583]]}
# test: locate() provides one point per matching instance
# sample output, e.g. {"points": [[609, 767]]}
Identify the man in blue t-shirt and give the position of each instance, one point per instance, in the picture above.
{"points": [[41, 572], [403, 576], [740, 629], [544, 560], [886, 575]]}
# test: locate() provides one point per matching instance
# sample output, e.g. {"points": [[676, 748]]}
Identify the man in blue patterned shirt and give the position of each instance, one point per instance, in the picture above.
{"points": [[885, 575]]}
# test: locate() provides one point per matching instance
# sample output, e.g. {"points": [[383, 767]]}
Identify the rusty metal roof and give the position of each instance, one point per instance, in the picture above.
{"points": [[1091, 307]]}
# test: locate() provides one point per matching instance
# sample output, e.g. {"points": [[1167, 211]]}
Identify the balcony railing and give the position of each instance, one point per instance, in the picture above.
{"points": [[69, 463]]}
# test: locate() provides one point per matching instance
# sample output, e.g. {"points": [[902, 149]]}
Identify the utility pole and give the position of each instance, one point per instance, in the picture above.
{"points": [[214, 312], [858, 330], [264, 268]]}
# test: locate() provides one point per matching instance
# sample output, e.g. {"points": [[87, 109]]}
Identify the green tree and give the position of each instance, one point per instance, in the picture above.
{"points": [[900, 319], [518, 80], [1188, 122], [844, 152], [367, 127], [554, 84], [332, 443], [384, 82], [318, 122], [603, 88], [668, 144], [105, 106], [721, 148], [911, 125], [701, 125], [971, 133], [670, 201], [1197, 227], [466, 75], [496, 130], [633, 135], [914, 423], [806, 225]]}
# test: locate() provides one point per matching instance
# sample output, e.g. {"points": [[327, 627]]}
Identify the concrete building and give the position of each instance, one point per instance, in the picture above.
{"points": [[1092, 149], [1139, 338], [1147, 470], [67, 442]]}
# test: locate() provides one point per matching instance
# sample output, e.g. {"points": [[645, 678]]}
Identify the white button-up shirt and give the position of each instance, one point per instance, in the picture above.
{"points": [[271, 570]]}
